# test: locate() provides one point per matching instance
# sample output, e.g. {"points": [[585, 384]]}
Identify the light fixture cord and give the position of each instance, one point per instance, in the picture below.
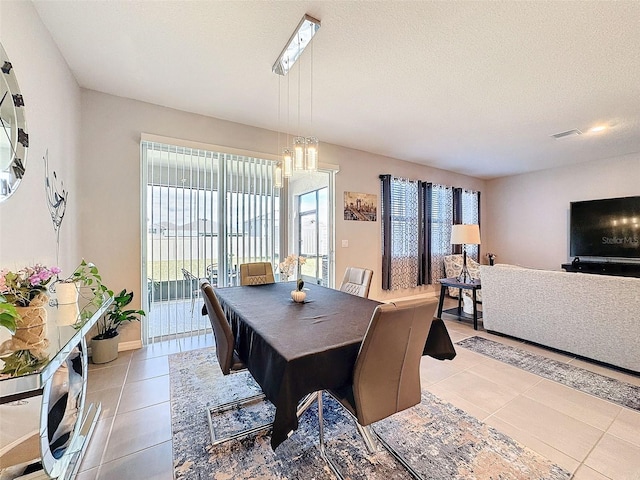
{"points": [[279, 108], [288, 106], [299, 70], [311, 94]]}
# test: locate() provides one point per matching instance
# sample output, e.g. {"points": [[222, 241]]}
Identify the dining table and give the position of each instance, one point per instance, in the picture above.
{"points": [[294, 349]]}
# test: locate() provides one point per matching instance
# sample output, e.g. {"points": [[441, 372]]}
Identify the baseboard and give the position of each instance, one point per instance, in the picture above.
{"points": [[132, 345]]}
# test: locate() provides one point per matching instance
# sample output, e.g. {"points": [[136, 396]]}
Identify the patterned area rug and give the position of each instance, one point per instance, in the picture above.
{"points": [[437, 439], [607, 388]]}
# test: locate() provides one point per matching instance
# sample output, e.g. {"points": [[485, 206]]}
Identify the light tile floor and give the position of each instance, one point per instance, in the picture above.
{"points": [[592, 438]]}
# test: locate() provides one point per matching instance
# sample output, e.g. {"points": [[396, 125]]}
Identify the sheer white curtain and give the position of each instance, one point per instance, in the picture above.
{"points": [[400, 234], [441, 221], [404, 233], [471, 216]]}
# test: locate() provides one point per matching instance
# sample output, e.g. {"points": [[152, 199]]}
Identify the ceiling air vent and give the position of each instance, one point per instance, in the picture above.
{"points": [[568, 133]]}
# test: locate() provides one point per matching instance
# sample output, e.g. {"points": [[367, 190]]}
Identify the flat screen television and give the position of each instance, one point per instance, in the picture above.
{"points": [[605, 228]]}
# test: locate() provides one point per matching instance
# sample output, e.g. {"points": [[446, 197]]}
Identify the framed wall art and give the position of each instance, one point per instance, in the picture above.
{"points": [[360, 206]]}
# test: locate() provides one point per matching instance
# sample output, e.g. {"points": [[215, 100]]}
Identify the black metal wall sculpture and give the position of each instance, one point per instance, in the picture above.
{"points": [[56, 200]]}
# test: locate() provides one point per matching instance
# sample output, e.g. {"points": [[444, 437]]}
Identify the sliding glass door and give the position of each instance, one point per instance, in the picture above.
{"points": [[206, 213]]}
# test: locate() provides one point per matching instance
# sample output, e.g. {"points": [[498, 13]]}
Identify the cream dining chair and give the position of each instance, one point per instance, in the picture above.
{"points": [[357, 281], [256, 273], [386, 376]]}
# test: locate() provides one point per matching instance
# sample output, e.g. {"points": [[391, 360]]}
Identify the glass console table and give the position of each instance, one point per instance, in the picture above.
{"points": [[45, 424]]}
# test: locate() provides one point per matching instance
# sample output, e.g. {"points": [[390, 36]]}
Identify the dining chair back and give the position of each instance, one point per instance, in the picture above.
{"points": [[357, 281], [223, 336], [229, 363], [256, 273], [386, 377]]}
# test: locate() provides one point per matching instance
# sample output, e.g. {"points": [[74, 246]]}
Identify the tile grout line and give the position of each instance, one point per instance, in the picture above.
{"points": [[113, 420]]}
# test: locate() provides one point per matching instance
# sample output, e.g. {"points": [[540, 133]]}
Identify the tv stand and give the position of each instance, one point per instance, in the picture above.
{"points": [[604, 268]]}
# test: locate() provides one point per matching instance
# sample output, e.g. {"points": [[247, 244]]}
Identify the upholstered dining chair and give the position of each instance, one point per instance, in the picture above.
{"points": [[228, 360], [386, 377], [257, 273], [357, 281]]}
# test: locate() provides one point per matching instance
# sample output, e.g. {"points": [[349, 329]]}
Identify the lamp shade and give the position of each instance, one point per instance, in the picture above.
{"points": [[465, 235]]}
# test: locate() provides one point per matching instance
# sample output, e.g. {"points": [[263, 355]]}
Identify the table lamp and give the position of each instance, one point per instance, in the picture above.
{"points": [[465, 235]]}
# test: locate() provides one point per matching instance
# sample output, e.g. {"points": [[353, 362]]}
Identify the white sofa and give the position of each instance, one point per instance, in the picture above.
{"points": [[594, 316]]}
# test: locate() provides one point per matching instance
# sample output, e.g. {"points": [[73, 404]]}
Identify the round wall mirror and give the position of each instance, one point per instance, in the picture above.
{"points": [[14, 139]]}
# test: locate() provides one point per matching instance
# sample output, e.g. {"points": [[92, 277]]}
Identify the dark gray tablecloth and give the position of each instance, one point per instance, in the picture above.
{"points": [[292, 349]]}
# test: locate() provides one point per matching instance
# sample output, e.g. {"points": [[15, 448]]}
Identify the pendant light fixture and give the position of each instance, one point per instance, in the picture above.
{"points": [[303, 152]]}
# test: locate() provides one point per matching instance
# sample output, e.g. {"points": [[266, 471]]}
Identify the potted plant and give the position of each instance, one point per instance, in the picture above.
{"points": [[104, 345], [85, 278], [22, 299]]}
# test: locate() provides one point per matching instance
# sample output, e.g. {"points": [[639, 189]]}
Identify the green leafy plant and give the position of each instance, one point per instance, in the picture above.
{"points": [[22, 362], [8, 315], [87, 278], [116, 315]]}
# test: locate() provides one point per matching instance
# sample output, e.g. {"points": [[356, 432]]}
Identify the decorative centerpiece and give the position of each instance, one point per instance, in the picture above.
{"points": [[298, 295], [290, 266], [22, 301]]}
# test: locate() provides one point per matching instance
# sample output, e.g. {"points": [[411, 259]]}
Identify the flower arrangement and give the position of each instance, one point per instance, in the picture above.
{"points": [[491, 257], [19, 288], [290, 264]]}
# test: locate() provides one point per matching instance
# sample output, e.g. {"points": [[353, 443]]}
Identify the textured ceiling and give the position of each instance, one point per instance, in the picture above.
{"points": [[473, 87]]}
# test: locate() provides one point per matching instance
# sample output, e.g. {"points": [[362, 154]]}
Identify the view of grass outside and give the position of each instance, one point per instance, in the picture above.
{"points": [[170, 270]]}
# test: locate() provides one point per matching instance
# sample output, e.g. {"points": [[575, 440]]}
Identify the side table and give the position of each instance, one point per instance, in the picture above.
{"points": [[473, 285]]}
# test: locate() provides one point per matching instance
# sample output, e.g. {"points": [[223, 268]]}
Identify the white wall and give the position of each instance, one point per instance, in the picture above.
{"points": [[110, 184], [527, 216], [52, 108], [359, 172]]}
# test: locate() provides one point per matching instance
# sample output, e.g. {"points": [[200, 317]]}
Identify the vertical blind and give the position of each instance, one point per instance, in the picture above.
{"points": [[206, 213]]}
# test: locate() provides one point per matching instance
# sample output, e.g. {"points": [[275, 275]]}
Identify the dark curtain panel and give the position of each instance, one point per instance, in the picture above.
{"points": [[386, 230], [424, 233], [457, 215]]}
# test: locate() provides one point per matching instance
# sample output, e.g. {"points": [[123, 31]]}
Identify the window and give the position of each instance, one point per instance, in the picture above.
{"points": [[400, 233], [312, 235], [416, 229]]}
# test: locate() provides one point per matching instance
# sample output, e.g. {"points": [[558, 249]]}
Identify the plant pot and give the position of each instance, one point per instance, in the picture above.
{"points": [[104, 350], [66, 293], [67, 314], [298, 296]]}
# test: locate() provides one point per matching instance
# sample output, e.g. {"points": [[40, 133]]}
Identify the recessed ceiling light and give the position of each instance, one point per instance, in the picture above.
{"points": [[598, 128]]}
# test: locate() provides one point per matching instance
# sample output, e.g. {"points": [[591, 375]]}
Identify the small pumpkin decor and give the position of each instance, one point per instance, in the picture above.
{"points": [[104, 345], [298, 295]]}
